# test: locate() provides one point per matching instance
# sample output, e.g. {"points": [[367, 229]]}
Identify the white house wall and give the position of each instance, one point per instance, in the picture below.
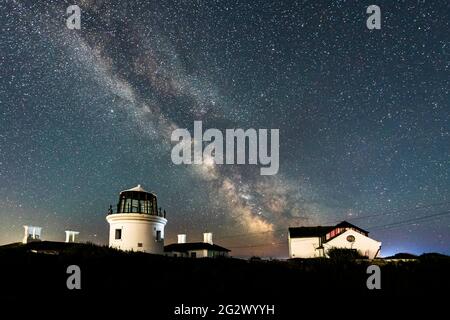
{"points": [[365, 245], [198, 253], [176, 254], [304, 247], [137, 228]]}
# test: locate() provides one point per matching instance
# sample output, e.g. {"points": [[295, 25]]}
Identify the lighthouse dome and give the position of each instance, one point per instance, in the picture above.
{"points": [[138, 200], [138, 188]]}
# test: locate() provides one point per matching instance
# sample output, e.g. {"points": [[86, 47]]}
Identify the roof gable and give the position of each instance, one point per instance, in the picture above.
{"points": [[345, 224], [345, 234]]}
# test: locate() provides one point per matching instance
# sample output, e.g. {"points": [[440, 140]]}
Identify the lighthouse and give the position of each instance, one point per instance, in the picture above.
{"points": [[138, 224]]}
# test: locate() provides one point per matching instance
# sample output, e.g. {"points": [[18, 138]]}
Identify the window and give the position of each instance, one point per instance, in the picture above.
{"points": [[135, 206], [121, 206], [193, 254], [127, 205], [139, 244], [351, 238], [118, 234], [144, 206], [154, 207], [158, 235]]}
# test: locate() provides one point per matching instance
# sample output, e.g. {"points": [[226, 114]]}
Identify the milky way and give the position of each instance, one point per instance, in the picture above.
{"points": [[363, 117]]}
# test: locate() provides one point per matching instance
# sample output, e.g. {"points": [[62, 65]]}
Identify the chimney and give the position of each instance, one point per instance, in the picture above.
{"points": [[32, 234], [181, 238], [207, 237], [70, 236]]}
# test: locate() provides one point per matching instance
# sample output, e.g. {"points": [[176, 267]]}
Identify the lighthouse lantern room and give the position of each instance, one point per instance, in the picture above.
{"points": [[138, 224]]}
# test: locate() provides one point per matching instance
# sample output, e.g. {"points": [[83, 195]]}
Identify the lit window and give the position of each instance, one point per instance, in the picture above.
{"points": [[127, 205], [144, 207], [135, 206]]}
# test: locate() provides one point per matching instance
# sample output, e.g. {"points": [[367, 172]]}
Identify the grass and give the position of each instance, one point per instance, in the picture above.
{"points": [[41, 267]]}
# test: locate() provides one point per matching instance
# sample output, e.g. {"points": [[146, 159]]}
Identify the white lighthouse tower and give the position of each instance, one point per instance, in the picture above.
{"points": [[138, 224]]}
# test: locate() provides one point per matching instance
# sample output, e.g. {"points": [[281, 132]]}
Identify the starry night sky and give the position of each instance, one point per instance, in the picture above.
{"points": [[364, 117]]}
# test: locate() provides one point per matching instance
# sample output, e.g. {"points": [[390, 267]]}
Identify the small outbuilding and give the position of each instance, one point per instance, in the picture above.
{"points": [[205, 249]]}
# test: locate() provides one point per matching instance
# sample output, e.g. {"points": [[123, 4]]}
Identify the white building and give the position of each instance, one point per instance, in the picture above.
{"points": [[314, 242], [71, 236], [138, 224], [32, 234], [205, 249]]}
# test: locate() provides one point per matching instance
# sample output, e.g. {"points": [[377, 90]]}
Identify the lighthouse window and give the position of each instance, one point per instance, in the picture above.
{"points": [[154, 207], [145, 206], [127, 205], [118, 234], [121, 207], [135, 206], [139, 244], [158, 235]]}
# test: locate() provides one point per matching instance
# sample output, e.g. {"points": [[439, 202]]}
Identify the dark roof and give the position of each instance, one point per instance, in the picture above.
{"points": [[345, 224], [306, 232], [183, 247]]}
